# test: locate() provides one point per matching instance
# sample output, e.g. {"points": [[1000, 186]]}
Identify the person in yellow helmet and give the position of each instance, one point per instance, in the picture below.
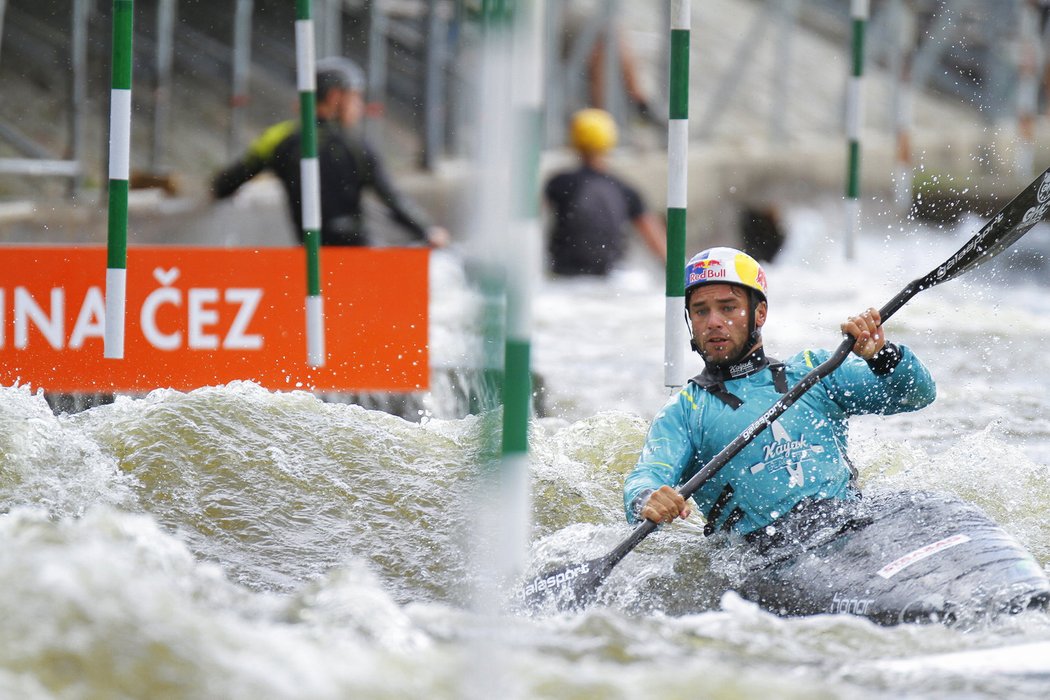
{"points": [[592, 208], [593, 131]]}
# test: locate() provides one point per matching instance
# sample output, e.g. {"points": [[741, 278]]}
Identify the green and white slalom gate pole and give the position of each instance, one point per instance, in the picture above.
{"points": [[523, 252], [676, 336], [507, 244], [119, 166], [311, 181], [522, 264], [854, 119]]}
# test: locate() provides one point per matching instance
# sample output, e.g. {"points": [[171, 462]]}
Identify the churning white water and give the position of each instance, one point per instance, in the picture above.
{"points": [[232, 542]]}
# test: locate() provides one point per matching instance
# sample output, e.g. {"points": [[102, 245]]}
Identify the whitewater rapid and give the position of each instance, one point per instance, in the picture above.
{"points": [[233, 542]]}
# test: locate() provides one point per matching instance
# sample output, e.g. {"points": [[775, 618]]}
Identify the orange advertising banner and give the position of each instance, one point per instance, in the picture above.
{"points": [[204, 316]]}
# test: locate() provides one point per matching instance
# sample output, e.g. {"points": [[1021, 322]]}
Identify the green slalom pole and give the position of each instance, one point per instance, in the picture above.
{"points": [[311, 181], [508, 243], [119, 166], [522, 263], [676, 335], [854, 120], [523, 257], [511, 34]]}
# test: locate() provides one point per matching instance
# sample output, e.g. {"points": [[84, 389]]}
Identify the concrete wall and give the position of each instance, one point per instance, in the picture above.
{"points": [[723, 178]]}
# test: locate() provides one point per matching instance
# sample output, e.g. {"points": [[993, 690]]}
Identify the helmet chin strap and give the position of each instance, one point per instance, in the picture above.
{"points": [[754, 333]]}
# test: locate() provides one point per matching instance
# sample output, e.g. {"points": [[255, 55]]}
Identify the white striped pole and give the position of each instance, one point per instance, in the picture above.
{"points": [[522, 263], [854, 118], [119, 166], [522, 252], [310, 171], [505, 201], [676, 336]]}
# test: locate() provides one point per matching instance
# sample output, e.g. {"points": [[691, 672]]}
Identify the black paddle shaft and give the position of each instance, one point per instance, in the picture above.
{"points": [[1002, 231]]}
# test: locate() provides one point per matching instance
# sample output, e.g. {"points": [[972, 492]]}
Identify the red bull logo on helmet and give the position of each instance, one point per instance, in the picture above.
{"points": [[704, 269], [760, 279], [727, 265], [704, 274]]}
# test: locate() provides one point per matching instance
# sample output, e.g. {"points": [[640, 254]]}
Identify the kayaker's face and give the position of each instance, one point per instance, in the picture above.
{"points": [[718, 317]]}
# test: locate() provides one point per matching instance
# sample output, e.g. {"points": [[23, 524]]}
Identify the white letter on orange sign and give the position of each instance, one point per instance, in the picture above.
{"points": [[90, 320], [3, 317], [148, 319], [52, 327], [249, 302], [201, 317]]}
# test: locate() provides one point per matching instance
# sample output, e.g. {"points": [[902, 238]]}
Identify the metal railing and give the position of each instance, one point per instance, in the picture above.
{"points": [[416, 53]]}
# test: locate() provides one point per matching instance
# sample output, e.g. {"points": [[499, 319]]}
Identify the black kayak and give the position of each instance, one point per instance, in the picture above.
{"points": [[893, 558]]}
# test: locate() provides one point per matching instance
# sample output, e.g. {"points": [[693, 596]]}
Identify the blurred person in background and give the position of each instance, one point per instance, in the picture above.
{"points": [[575, 18], [348, 164], [591, 207]]}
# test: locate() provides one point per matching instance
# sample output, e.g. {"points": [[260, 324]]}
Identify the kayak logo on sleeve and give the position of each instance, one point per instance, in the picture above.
{"points": [[785, 453]]}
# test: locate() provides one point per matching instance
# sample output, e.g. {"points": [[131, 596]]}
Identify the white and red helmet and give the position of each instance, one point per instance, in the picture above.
{"points": [[725, 266]]}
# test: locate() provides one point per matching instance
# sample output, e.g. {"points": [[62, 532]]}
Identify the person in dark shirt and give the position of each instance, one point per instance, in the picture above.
{"points": [[591, 207], [348, 164]]}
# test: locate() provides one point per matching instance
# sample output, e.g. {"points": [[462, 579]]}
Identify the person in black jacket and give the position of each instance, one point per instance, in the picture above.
{"points": [[591, 207], [348, 164]]}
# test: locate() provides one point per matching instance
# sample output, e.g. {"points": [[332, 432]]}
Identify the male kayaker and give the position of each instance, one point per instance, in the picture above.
{"points": [[800, 460]]}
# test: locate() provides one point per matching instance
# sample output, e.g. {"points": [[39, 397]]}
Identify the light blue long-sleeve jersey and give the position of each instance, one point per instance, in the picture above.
{"points": [[801, 455]]}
